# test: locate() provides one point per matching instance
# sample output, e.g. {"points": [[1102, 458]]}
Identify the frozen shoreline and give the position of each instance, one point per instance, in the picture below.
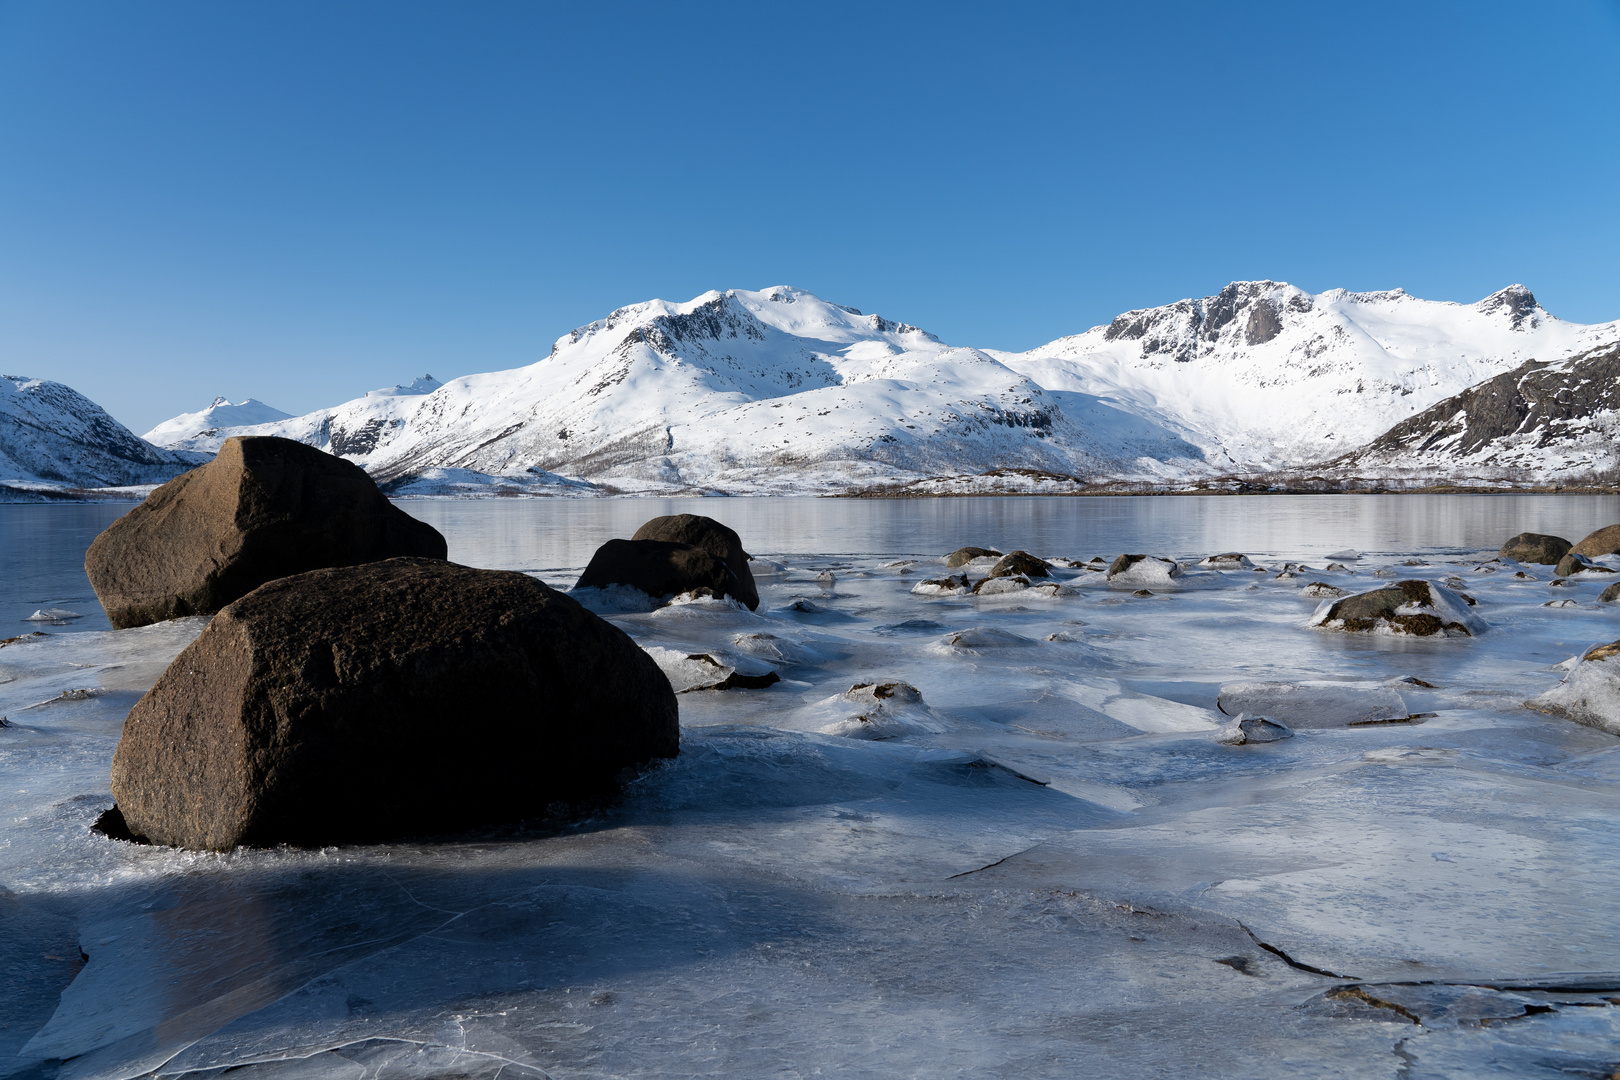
{"points": [[1067, 873]]}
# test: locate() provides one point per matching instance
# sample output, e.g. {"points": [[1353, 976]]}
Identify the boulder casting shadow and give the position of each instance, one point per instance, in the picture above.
{"points": [[398, 698]]}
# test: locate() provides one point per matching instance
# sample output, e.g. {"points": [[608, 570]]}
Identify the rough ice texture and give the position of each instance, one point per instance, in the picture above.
{"points": [[1589, 694]]}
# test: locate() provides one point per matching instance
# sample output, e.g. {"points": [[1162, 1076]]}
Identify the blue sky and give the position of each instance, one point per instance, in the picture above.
{"points": [[300, 202]]}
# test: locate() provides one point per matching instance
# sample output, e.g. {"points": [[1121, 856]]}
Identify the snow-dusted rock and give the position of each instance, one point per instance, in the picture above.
{"points": [[1421, 608], [996, 586], [1143, 570], [1590, 692], [1318, 589], [956, 585], [704, 671], [1232, 560], [1575, 563]]}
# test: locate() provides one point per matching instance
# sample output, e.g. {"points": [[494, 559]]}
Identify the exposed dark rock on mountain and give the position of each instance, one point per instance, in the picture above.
{"points": [[52, 433], [265, 508], [397, 698], [1512, 419]]}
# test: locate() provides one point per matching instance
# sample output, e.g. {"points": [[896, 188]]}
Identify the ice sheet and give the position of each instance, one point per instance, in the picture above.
{"points": [[1041, 863]]}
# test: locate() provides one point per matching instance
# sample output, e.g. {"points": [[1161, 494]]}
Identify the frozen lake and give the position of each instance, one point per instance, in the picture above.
{"points": [[1048, 867]]}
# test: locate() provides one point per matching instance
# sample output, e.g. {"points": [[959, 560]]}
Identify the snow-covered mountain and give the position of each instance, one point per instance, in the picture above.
{"points": [[1542, 420], [175, 432], [775, 390], [1265, 375], [52, 436]]}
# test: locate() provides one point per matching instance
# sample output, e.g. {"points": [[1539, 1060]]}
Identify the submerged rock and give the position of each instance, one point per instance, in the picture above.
{"points": [[1590, 692], [1142, 570], [1575, 563], [1020, 563], [717, 539], [1420, 608], [703, 671], [662, 569], [1245, 729], [992, 586], [962, 556], [1606, 541], [392, 699], [264, 508], [1314, 704], [1531, 547]]}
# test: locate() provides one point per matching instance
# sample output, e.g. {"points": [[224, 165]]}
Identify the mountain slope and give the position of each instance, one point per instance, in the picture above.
{"points": [[53, 436], [1265, 375], [1547, 419], [775, 390], [174, 432]]}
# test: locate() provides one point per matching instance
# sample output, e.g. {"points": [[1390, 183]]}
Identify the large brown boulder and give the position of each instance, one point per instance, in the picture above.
{"points": [[1020, 562], [713, 537], [660, 569], [264, 508], [1535, 548], [1420, 608], [1606, 541], [397, 698]]}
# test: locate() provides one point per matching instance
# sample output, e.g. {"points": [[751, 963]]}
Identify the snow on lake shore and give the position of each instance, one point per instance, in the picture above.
{"points": [[1035, 859]]}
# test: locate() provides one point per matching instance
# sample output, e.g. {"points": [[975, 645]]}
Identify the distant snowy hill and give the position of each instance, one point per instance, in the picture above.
{"points": [[52, 436], [1542, 419], [175, 433], [1265, 375], [739, 391]]}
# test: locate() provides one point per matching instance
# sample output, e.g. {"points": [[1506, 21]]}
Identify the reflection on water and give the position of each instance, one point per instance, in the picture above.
{"points": [[44, 545], [539, 535]]}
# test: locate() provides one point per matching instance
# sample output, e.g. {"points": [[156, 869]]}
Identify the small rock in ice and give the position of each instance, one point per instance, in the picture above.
{"points": [[1590, 692], [1020, 564], [1528, 577], [1579, 564], [1384, 571], [1561, 603], [826, 579], [1338, 567], [1143, 592], [1231, 560], [1419, 608], [1347, 555], [977, 638], [701, 671], [1610, 594], [1321, 589], [1252, 729], [955, 585], [1142, 570], [963, 556], [1287, 575], [992, 586]]}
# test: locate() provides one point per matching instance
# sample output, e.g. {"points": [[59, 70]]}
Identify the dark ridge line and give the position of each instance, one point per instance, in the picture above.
{"points": [[1289, 960], [1358, 991]]}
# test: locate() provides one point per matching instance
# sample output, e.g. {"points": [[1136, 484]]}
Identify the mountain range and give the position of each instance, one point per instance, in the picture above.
{"points": [[779, 391]]}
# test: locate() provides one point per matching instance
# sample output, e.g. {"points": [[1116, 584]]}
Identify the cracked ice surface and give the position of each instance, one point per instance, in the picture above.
{"points": [[1042, 864]]}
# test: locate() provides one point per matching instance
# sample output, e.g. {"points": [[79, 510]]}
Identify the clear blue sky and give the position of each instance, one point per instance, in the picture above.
{"points": [[302, 201]]}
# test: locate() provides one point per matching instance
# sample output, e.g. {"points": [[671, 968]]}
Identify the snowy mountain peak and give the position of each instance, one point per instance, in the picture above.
{"points": [[51, 434], [424, 385], [1517, 304]]}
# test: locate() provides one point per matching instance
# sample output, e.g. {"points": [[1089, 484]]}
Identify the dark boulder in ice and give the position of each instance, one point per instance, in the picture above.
{"points": [[1243, 729], [1535, 548], [264, 508], [398, 698], [1020, 563], [717, 539], [1421, 608], [1606, 541], [1576, 563], [1610, 594], [963, 556], [662, 568]]}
